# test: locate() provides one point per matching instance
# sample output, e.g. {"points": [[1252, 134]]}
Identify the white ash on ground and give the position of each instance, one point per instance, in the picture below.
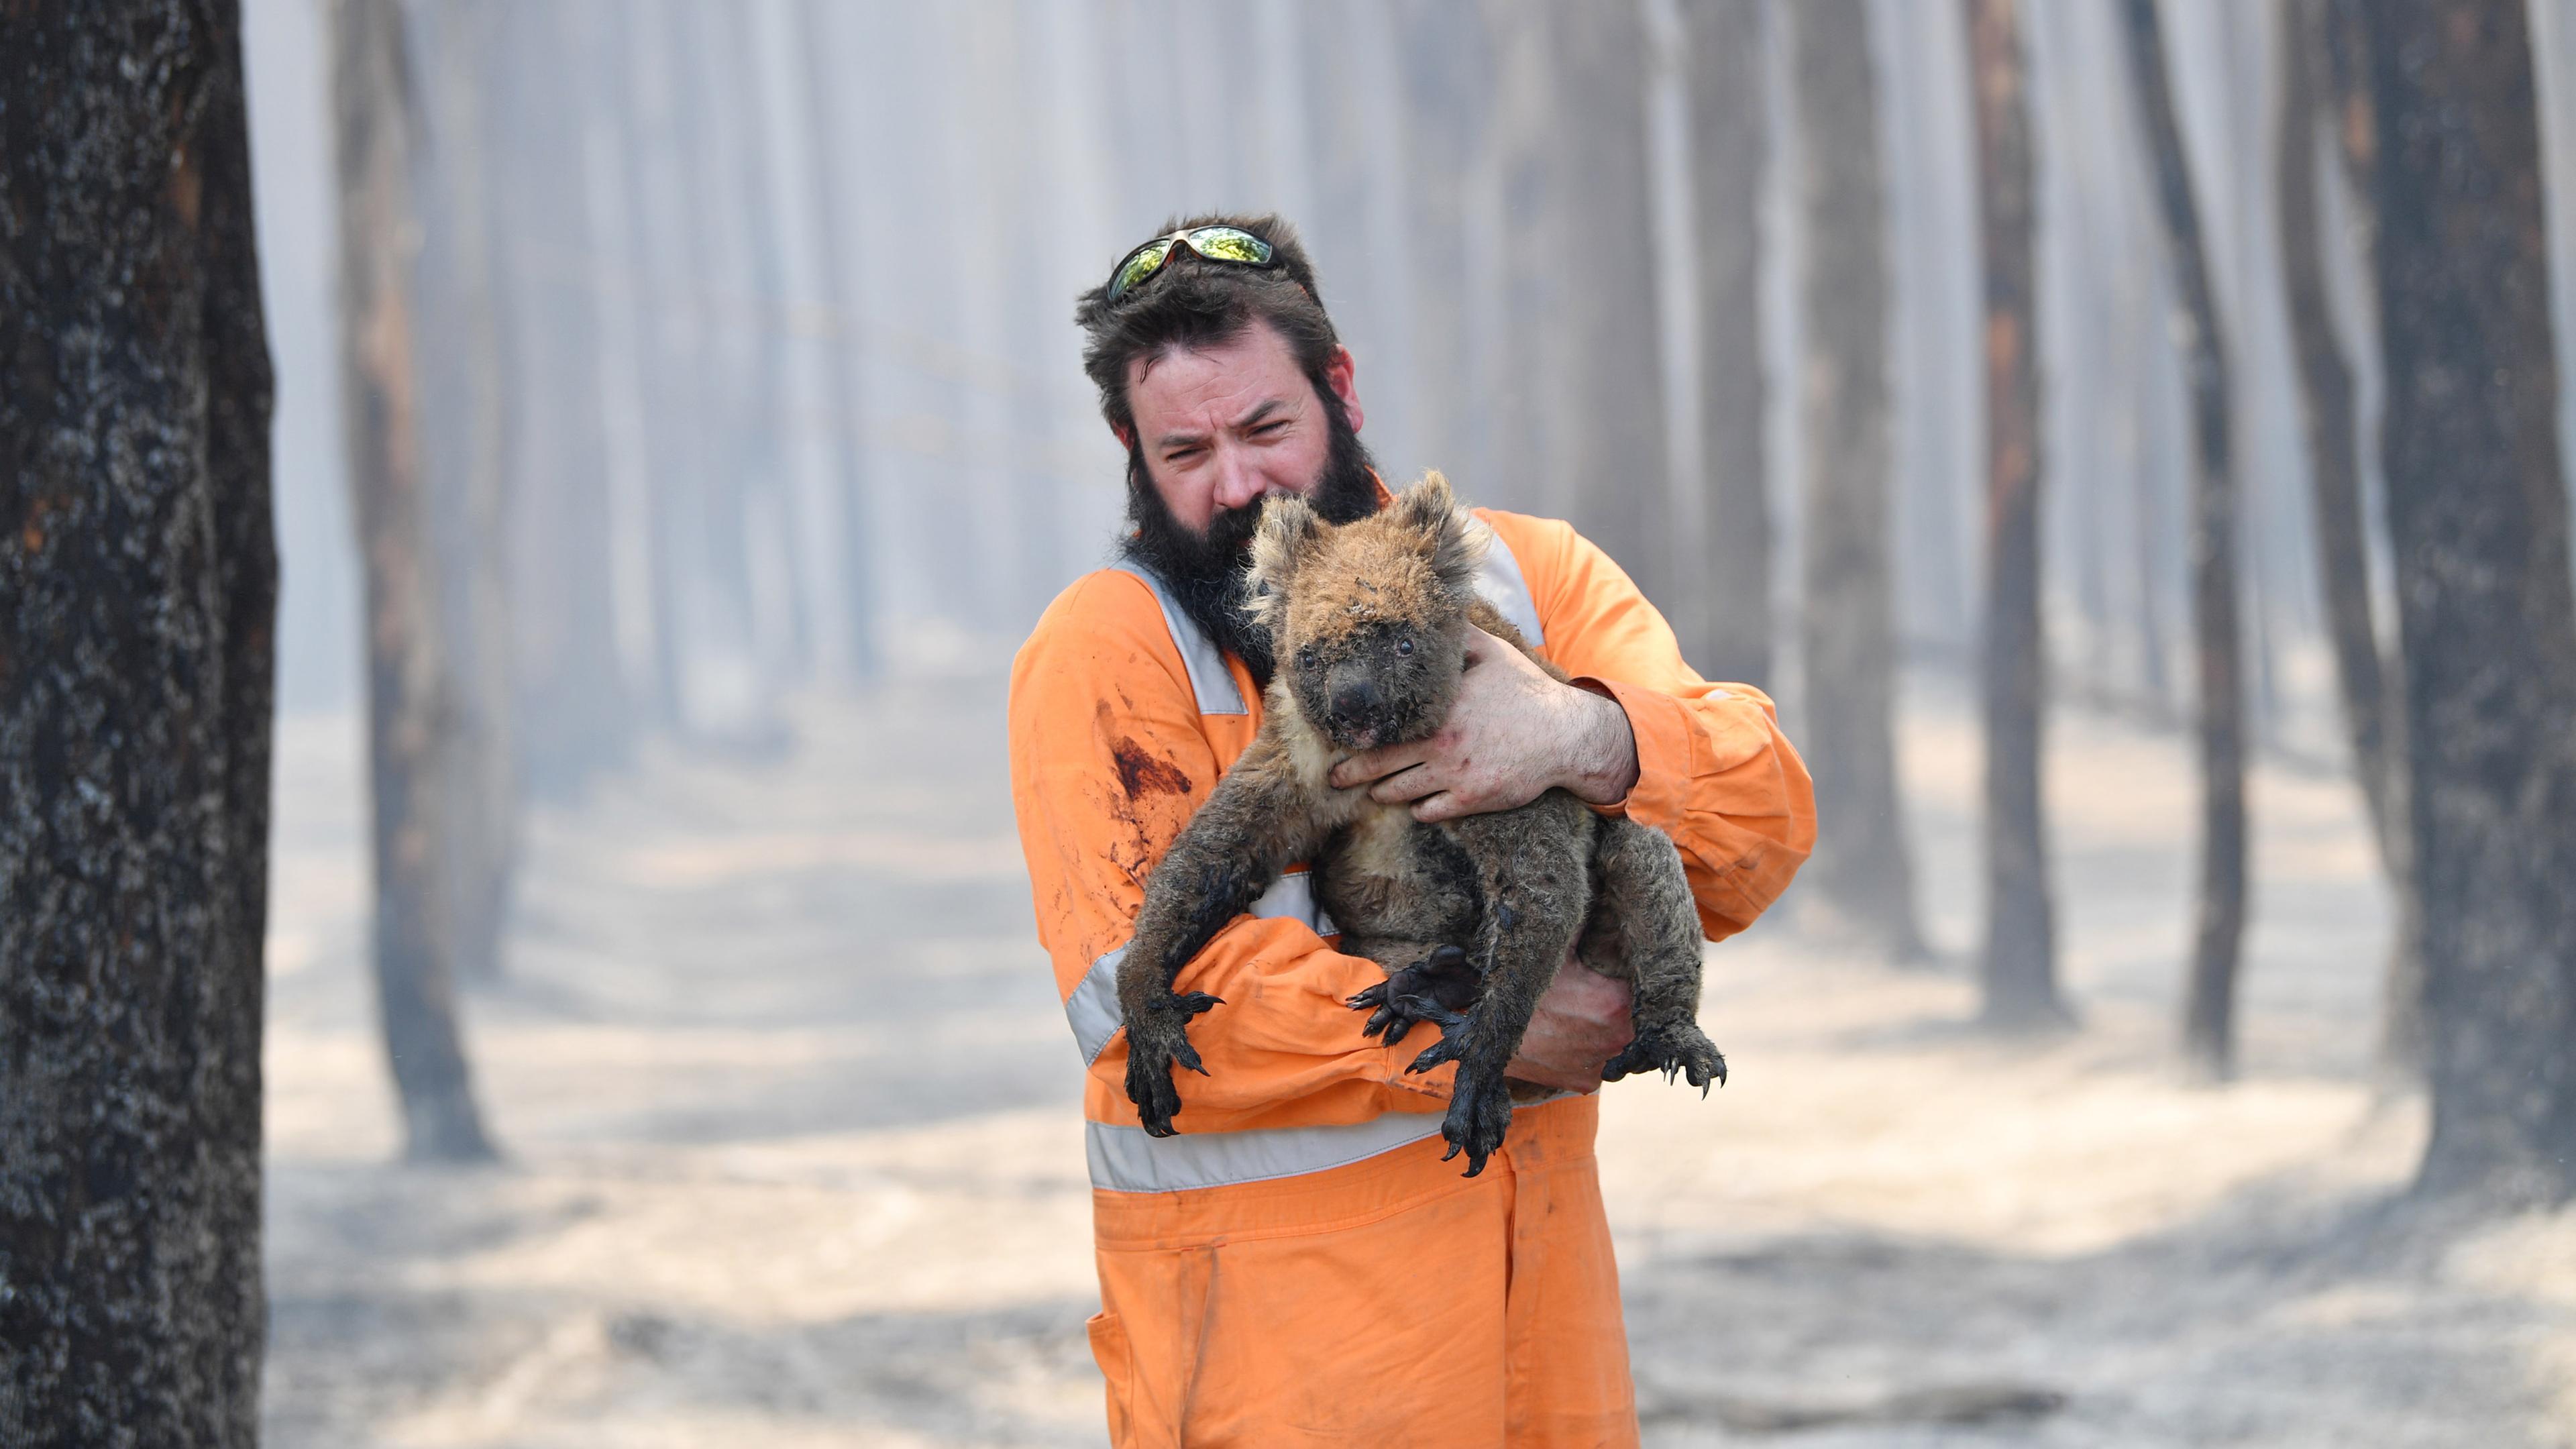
{"points": [[794, 1151]]}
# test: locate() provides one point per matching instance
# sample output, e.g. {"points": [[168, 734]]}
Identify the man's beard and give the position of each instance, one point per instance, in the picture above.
{"points": [[1205, 576]]}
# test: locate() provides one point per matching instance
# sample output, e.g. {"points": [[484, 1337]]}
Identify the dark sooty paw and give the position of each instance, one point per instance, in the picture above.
{"points": [[1155, 1044], [1480, 1112], [1435, 989], [1683, 1050]]}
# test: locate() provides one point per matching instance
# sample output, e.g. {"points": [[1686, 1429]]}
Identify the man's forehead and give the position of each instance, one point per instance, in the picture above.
{"points": [[1198, 387]]}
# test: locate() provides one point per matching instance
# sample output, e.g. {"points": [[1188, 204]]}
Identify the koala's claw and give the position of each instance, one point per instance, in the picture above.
{"points": [[1157, 1041], [1451, 1046], [1480, 1112], [1684, 1050], [1434, 989]]}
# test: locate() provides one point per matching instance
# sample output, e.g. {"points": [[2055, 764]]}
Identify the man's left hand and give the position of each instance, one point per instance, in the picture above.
{"points": [[1512, 734]]}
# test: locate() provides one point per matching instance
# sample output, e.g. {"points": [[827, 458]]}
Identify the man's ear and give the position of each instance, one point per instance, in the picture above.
{"points": [[1341, 375], [1126, 437], [1451, 539], [1290, 528]]}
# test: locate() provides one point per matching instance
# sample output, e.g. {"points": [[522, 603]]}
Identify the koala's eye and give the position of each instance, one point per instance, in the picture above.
{"points": [[1305, 658], [1404, 645]]}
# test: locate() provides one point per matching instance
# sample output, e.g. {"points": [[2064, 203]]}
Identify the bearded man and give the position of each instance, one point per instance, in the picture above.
{"points": [[1299, 1266]]}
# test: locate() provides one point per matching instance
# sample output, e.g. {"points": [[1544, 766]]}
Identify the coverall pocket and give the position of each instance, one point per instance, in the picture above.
{"points": [[1109, 1350]]}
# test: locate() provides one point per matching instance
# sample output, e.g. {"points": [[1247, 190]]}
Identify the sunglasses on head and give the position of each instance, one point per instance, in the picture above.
{"points": [[1209, 243]]}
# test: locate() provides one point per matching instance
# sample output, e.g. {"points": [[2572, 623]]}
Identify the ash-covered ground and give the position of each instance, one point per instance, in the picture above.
{"points": [[794, 1151]]}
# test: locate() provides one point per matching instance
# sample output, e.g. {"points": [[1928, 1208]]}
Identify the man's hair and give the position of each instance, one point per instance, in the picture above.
{"points": [[1193, 302]]}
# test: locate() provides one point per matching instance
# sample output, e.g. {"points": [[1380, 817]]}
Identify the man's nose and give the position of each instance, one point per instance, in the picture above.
{"points": [[1238, 483]]}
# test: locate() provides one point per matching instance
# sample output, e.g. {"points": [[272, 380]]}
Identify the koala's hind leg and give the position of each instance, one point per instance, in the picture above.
{"points": [[1532, 866], [1425, 981], [1644, 927]]}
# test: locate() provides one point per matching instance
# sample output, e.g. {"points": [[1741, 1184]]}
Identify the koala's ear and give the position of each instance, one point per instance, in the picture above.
{"points": [[1451, 538], [1289, 527]]}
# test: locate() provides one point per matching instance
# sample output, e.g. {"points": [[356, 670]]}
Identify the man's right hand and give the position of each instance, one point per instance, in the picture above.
{"points": [[1582, 1022]]}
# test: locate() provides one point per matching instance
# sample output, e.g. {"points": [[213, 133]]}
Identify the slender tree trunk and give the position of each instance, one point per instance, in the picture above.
{"points": [[2209, 1010], [840, 356], [136, 668], [1730, 141], [2372, 705], [2477, 514], [2020, 967], [569, 701], [411, 694], [473, 570], [1863, 873], [1591, 394]]}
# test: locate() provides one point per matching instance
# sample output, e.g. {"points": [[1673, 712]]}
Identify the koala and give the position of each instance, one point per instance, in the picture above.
{"points": [[1470, 917]]}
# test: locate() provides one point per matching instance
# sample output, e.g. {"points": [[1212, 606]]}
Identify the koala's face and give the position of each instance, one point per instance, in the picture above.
{"points": [[1368, 620]]}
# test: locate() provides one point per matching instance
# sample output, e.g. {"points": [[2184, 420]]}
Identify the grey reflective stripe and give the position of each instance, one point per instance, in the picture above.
{"points": [[1092, 1010], [1500, 581], [1125, 1159], [1209, 678]]}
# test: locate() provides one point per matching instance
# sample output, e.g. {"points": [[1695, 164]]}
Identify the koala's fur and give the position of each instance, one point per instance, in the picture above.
{"points": [[1369, 621]]}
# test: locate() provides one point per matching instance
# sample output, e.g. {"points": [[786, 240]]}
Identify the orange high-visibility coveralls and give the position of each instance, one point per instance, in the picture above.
{"points": [[1299, 1266]]}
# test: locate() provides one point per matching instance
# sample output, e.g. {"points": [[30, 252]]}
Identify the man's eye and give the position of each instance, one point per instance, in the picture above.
{"points": [[1269, 430], [1404, 645]]}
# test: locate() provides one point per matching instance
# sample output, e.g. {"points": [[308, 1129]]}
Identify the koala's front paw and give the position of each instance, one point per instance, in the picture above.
{"points": [[1480, 1112], [1157, 1039], [1437, 989], [1683, 1048]]}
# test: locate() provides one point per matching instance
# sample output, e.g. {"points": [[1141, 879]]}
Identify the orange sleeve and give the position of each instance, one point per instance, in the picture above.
{"points": [[1109, 759], [1713, 770]]}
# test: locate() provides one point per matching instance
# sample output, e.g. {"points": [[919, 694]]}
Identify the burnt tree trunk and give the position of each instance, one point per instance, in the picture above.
{"points": [[2327, 410], [1862, 872], [1584, 418], [2218, 933], [1730, 134], [570, 703], [2477, 516], [473, 537], [411, 694], [139, 573], [2020, 966], [857, 576]]}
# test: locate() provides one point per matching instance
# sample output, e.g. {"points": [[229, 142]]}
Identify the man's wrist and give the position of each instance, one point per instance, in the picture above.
{"points": [[1604, 765]]}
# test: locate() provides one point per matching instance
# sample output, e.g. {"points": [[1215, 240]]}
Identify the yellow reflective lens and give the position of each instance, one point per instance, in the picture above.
{"points": [[1215, 243], [1226, 244], [1144, 262]]}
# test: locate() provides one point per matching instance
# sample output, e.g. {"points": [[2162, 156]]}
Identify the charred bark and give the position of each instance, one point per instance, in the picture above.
{"points": [[2365, 683], [1730, 135], [137, 662], [2477, 517], [2209, 1008], [466, 480], [1587, 412], [2020, 966], [1862, 871], [570, 710], [412, 700], [840, 366]]}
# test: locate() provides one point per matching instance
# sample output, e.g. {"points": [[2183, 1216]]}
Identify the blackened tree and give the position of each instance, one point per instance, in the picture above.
{"points": [[2477, 517], [138, 594], [2020, 965], [411, 692], [2209, 1006]]}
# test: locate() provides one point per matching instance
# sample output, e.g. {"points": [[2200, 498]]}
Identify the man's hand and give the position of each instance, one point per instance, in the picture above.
{"points": [[1513, 733], [1581, 1023]]}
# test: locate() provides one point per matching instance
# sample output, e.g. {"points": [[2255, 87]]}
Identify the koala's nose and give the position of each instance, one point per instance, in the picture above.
{"points": [[1355, 700]]}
